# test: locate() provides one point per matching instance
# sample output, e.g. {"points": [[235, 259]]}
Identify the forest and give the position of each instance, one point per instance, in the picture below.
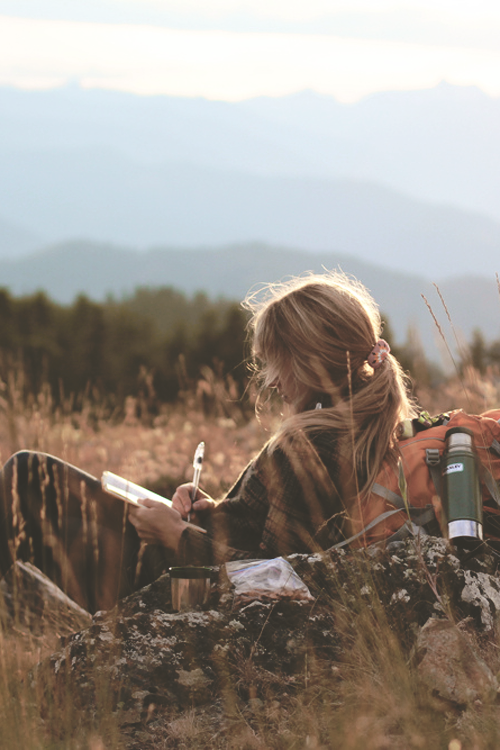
{"points": [[153, 345]]}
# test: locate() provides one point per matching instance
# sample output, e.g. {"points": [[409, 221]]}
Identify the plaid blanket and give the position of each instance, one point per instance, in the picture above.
{"points": [[285, 501]]}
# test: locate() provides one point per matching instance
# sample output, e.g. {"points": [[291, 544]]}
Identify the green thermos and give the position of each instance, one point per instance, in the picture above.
{"points": [[463, 505]]}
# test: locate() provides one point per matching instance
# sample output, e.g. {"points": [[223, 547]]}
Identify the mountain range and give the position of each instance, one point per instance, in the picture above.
{"points": [[407, 180]]}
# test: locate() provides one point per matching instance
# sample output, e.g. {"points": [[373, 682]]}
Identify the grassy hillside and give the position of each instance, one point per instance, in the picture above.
{"points": [[373, 697]]}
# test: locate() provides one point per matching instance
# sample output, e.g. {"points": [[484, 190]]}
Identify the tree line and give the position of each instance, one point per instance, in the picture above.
{"points": [[156, 342], [156, 339]]}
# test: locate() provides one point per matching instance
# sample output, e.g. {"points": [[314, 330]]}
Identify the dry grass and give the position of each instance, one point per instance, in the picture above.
{"points": [[371, 700], [471, 391], [152, 453]]}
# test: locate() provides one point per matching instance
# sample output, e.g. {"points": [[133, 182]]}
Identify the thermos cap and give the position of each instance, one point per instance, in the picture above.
{"points": [[458, 439], [459, 436]]}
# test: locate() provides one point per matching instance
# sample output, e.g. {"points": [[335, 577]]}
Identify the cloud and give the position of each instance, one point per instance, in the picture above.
{"points": [[443, 23], [227, 65]]}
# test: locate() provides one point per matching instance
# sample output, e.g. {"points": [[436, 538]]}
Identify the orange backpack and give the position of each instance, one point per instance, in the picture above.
{"points": [[412, 494]]}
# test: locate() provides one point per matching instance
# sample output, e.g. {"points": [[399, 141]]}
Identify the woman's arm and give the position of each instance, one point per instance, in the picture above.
{"points": [[286, 501], [283, 502], [234, 525], [157, 523]]}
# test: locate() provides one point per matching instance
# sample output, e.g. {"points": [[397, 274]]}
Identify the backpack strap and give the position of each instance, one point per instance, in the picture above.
{"points": [[418, 516], [488, 478], [491, 484], [406, 530], [369, 526], [433, 461], [392, 497]]}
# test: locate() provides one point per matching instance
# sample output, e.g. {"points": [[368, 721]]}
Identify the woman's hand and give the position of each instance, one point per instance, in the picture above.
{"points": [[157, 523], [182, 501]]}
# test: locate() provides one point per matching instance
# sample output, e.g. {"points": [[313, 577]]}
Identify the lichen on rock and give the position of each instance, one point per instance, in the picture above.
{"points": [[151, 661]]}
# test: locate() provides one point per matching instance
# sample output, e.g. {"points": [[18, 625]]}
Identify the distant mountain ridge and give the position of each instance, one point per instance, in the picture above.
{"points": [[98, 270], [302, 170], [437, 144], [104, 195]]}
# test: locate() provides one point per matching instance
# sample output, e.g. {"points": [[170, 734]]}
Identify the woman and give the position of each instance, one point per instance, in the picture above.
{"points": [[316, 340]]}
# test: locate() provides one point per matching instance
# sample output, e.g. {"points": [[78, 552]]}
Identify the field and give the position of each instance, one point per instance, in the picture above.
{"points": [[378, 689]]}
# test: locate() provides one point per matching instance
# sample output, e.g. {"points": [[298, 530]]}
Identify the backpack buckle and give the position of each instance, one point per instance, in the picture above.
{"points": [[432, 456]]}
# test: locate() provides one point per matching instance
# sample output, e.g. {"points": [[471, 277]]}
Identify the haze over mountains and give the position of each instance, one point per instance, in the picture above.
{"points": [[401, 189], [410, 180], [438, 144]]}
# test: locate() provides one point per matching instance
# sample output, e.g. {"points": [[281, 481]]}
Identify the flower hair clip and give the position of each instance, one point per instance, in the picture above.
{"points": [[378, 354]]}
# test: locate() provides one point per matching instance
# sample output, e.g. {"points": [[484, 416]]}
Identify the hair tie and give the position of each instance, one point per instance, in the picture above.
{"points": [[378, 354]]}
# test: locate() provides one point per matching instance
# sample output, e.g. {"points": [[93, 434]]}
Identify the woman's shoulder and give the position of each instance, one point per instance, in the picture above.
{"points": [[308, 446]]}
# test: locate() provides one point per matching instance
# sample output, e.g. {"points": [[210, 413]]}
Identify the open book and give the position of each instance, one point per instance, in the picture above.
{"points": [[131, 493], [128, 491]]}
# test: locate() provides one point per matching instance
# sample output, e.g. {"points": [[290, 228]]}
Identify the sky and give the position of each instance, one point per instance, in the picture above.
{"points": [[237, 49]]}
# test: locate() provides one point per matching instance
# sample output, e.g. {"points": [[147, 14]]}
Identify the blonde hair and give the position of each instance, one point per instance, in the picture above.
{"points": [[317, 331]]}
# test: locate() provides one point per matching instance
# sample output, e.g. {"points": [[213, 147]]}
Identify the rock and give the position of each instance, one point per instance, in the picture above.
{"points": [[449, 665], [184, 659], [151, 662], [482, 593]]}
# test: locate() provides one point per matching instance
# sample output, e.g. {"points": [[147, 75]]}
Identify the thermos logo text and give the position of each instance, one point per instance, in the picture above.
{"points": [[452, 468]]}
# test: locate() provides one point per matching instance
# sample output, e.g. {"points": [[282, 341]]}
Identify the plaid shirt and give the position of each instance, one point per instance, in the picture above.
{"points": [[285, 501]]}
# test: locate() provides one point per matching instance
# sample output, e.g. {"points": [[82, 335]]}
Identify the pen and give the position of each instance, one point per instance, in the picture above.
{"points": [[197, 464]]}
